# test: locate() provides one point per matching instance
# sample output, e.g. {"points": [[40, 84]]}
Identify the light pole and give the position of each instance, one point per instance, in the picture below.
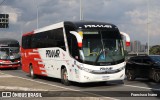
{"points": [[81, 10], [37, 12], [148, 25], [37, 17]]}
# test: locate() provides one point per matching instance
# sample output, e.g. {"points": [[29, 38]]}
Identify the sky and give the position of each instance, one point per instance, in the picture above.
{"points": [[134, 17]]}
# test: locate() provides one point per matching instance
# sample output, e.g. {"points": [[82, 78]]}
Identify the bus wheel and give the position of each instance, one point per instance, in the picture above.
{"points": [[31, 72], [64, 77], [130, 75], [156, 76], [121, 82], [15, 68]]}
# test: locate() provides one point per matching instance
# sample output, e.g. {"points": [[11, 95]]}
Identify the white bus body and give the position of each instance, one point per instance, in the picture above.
{"points": [[74, 57]]}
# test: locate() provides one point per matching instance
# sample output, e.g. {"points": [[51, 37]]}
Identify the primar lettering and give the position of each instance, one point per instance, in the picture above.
{"points": [[95, 26], [102, 68], [52, 53]]}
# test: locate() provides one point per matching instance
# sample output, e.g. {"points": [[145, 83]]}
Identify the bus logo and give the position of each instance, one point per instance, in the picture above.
{"points": [[97, 26], [103, 68], [52, 53]]}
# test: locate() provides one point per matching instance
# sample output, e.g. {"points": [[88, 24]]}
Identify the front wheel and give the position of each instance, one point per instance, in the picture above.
{"points": [[156, 76], [31, 72], [64, 77], [130, 75], [121, 82], [15, 68]]}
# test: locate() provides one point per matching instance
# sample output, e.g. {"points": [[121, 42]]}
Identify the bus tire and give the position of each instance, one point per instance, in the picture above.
{"points": [[121, 82], [156, 76], [64, 77], [130, 75], [31, 72], [15, 68]]}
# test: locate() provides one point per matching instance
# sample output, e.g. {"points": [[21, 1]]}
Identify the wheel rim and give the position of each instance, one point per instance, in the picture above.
{"points": [[31, 71], [157, 77], [129, 75], [65, 76]]}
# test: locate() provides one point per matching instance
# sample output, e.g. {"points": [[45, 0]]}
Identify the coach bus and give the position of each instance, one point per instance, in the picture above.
{"points": [[9, 53], [75, 51]]}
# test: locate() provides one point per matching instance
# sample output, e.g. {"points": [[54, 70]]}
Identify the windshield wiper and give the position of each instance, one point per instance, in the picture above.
{"points": [[103, 51], [99, 56]]}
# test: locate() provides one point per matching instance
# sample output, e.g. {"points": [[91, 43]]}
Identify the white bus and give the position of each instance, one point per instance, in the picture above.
{"points": [[75, 51]]}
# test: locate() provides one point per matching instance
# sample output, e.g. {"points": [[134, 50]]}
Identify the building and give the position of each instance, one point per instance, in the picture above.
{"points": [[136, 47]]}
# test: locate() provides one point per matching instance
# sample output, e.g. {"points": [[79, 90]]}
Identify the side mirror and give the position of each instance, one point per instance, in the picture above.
{"points": [[127, 38]]}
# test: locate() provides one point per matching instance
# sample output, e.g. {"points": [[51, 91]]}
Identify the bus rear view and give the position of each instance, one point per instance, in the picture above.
{"points": [[9, 53]]}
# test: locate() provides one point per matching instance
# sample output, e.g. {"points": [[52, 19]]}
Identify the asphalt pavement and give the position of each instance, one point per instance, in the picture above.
{"points": [[17, 81], [16, 88]]}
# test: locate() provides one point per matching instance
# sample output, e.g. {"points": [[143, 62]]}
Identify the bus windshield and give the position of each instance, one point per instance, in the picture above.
{"points": [[102, 47], [9, 53]]}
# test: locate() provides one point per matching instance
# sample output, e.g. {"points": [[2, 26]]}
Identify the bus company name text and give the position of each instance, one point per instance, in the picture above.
{"points": [[52, 53], [103, 68], [97, 26]]}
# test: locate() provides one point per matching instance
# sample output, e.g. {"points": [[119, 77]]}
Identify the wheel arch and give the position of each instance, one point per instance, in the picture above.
{"points": [[28, 67], [62, 67]]}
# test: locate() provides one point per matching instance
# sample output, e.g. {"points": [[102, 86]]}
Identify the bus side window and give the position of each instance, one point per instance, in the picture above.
{"points": [[26, 44], [47, 39], [72, 42], [59, 38]]}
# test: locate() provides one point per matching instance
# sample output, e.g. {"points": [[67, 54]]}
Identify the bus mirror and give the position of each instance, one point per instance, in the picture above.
{"points": [[79, 38], [127, 38], [127, 43], [80, 45]]}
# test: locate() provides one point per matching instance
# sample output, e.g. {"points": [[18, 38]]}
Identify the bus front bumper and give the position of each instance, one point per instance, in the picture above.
{"points": [[10, 66], [89, 77]]}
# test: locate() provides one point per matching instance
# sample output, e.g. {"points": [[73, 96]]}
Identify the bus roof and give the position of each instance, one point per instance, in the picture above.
{"points": [[6, 41], [90, 25], [76, 25]]}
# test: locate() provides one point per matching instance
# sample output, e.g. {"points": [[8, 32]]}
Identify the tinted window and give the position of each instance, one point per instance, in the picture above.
{"points": [[72, 42], [113, 34], [52, 38], [14, 45], [26, 42], [136, 59], [146, 60], [155, 58], [73, 47]]}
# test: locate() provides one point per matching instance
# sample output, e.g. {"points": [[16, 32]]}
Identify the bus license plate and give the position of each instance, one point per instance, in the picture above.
{"points": [[105, 77]]}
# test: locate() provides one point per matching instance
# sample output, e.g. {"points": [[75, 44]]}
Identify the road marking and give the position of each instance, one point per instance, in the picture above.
{"points": [[4, 76], [79, 90], [142, 87], [20, 88], [63, 87]]}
